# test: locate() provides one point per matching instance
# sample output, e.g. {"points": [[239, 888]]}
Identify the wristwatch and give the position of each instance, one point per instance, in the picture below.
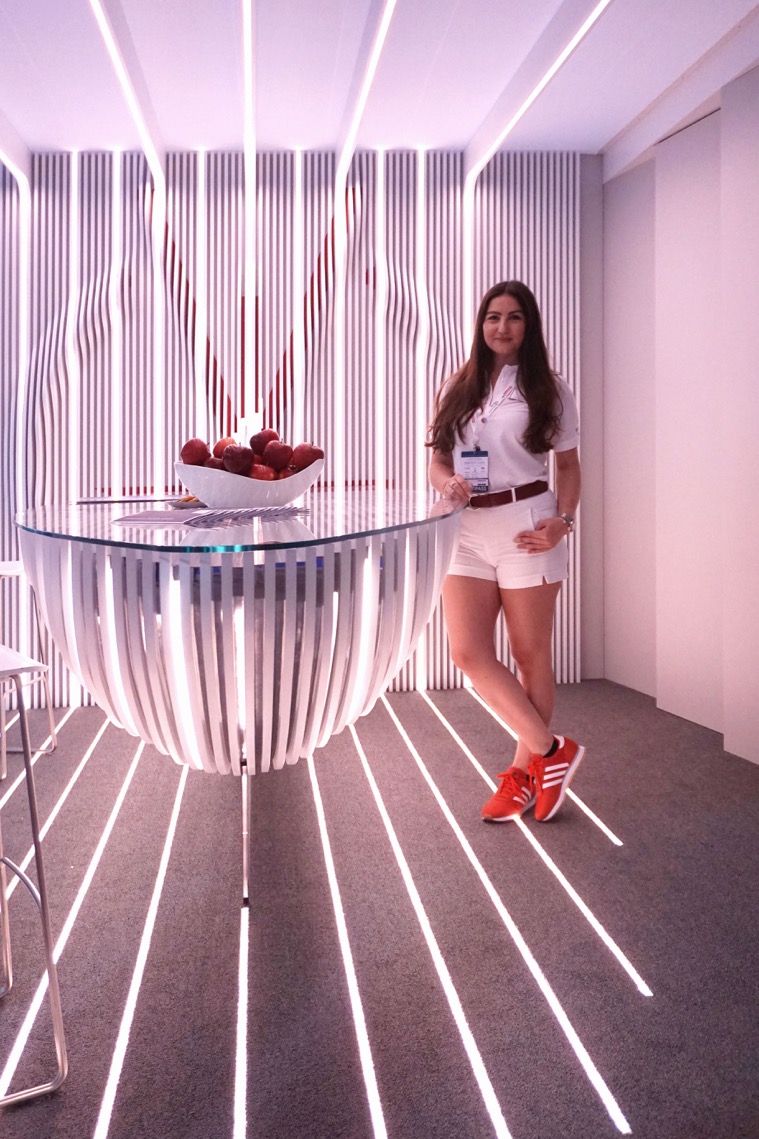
{"points": [[568, 521]]}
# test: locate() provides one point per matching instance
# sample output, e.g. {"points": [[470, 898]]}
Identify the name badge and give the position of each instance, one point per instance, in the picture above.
{"points": [[474, 467]]}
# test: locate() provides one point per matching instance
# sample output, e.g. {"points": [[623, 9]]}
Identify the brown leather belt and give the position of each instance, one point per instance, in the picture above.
{"points": [[503, 497]]}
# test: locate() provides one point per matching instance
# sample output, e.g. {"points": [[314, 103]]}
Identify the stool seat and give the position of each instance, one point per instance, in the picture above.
{"points": [[14, 666], [13, 663]]}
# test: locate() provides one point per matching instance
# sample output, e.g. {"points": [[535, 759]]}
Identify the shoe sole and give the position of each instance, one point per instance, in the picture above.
{"points": [[565, 783], [508, 818]]}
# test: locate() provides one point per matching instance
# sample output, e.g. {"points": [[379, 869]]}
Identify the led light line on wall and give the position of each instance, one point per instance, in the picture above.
{"points": [[23, 187], [251, 408]]}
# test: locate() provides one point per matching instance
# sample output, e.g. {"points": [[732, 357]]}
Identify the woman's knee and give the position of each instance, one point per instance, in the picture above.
{"points": [[470, 658], [531, 658]]}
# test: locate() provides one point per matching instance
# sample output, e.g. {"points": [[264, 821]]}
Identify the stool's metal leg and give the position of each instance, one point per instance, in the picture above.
{"points": [[5, 930], [55, 999], [3, 736]]}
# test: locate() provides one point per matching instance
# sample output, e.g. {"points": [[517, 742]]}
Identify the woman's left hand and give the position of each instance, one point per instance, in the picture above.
{"points": [[547, 534]]}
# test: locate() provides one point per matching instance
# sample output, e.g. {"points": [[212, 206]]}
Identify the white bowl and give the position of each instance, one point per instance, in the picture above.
{"points": [[221, 490]]}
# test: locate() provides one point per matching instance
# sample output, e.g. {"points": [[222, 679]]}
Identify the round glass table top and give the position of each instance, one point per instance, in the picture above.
{"points": [[172, 525]]}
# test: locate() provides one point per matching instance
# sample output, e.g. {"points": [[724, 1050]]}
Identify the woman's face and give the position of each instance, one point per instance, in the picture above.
{"points": [[503, 329]]}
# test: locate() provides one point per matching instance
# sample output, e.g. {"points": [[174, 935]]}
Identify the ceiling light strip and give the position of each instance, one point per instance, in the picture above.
{"points": [[577, 1046], [133, 103], [345, 156], [454, 1001], [473, 172], [152, 151]]}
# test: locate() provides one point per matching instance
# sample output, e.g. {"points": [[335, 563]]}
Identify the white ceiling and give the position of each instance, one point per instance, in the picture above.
{"points": [[451, 73]]}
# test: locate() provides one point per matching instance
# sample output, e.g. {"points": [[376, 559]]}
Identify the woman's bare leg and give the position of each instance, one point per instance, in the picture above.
{"points": [[471, 608], [529, 617]]}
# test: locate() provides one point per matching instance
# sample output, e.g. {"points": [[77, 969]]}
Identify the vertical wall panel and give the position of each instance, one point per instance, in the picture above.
{"points": [[92, 316], [9, 364], [91, 334], [527, 227]]}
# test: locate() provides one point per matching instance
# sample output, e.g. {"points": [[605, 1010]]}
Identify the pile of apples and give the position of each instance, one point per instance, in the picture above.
{"points": [[267, 457]]}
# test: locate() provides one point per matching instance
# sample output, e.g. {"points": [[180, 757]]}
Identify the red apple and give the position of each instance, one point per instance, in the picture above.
{"points": [[195, 452], [237, 458], [277, 454], [221, 446], [214, 463], [261, 438], [262, 472], [304, 455]]}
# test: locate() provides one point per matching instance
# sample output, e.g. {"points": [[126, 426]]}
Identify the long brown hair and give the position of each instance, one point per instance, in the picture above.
{"points": [[467, 389]]}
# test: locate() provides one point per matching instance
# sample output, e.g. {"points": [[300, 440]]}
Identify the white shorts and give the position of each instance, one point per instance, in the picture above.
{"points": [[487, 549]]}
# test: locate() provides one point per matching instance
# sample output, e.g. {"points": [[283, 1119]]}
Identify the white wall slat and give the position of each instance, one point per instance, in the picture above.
{"points": [[94, 321]]}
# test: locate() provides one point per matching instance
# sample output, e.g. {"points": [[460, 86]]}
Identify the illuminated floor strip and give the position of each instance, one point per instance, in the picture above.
{"points": [[26, 1027], [576, 1044], [62, 799], [241, 1051], [36, 755], [117, 1062], [594, 818], [608, 941], [475, 1059], [364, 1048]]}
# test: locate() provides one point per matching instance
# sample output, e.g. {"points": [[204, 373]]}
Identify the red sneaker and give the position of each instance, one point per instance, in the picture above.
{"points": [[512, 799], [552, 776]]}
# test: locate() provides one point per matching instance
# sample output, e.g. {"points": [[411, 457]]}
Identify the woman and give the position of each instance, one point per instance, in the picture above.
{"points": [[495, 420]]}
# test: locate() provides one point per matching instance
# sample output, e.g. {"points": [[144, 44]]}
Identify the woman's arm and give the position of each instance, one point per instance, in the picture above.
{"points": [[443, 479], [549, 531], [568, 480]]}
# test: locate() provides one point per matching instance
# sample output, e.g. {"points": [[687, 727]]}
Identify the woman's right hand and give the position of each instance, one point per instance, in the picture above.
{"points": [[457, 489]]}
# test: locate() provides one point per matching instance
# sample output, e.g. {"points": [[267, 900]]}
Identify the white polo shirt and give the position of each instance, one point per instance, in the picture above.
{"points": [[498, 426]]}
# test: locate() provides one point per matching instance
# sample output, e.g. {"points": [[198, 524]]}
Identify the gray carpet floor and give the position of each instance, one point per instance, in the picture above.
{"points": [[491, 1003]]}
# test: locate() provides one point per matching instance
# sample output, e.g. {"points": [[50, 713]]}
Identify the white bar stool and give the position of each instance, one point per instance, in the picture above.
{"points": [[13, 668], [9, 570]]}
